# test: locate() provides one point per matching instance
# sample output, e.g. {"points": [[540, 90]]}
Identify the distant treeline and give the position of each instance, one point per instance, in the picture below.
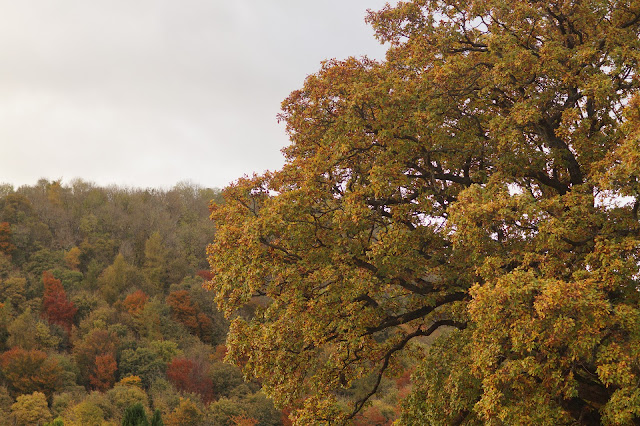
{"points": [[102, 308]]}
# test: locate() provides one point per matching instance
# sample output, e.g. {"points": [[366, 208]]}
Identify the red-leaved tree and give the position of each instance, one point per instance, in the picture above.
{"points": [[57, 307], [190, 376], [206, 275]]}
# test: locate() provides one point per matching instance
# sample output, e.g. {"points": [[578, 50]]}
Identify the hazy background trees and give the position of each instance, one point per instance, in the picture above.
{"points": [[102, 308]]}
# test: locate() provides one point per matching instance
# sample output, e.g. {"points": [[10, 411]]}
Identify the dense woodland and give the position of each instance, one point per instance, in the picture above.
{"points": [[102, 308]]}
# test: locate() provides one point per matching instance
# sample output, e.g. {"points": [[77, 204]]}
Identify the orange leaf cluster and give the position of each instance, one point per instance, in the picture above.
{"points": [[6, 246], [134, 303], [27, 371], [103, 376], [185, 312]]}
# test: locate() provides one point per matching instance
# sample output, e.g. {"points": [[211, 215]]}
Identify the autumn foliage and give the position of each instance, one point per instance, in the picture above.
{"points": [[188, 314], [372, 417], [90, 338], [6, 246], [103, 375], [480, 188], [134, 302], [27, 371], [244, 420], [72, 258], [94, 354], [57, 307], [190, 376], [30, 410], [133, 381], [206, 275], [186, 413]]}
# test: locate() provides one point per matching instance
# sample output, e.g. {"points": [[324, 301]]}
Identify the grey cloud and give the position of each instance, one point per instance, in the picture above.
{"points": [[150, 92]]}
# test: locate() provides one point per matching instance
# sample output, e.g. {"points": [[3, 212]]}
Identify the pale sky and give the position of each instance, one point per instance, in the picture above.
{"points": [[148, 93]]}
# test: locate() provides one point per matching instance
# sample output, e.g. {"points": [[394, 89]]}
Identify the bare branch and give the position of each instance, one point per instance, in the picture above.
{"points": [[398, 347]]}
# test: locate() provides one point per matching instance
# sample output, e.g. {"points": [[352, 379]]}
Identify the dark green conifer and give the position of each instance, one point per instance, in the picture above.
{"points": [[156, 420], [135, 416]]}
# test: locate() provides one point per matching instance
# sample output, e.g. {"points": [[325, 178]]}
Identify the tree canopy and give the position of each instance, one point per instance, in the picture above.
{"points": [[483, 178], [101, 303]]}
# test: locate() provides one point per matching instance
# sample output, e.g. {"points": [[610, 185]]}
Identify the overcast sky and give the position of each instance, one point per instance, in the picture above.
{"points": [[148, 93]]}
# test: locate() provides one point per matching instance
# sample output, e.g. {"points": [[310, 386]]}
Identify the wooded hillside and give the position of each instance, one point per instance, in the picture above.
{"points": [[102, 308]]}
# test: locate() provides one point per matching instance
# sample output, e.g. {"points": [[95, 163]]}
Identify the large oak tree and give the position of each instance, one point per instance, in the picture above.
{"points": [[484, 177]]}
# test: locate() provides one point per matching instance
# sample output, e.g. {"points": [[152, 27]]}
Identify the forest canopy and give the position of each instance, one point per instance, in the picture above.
{"points": [[483, 179], [103, 317]]}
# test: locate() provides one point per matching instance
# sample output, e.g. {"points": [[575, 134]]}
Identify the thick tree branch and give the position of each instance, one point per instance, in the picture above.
{"points": [[396, 280], [573, 167], [264, 241], [418, 313], [551, 182]]}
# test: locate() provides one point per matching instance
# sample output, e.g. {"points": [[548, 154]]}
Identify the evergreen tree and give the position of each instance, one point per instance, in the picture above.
{"points": [[135, 416]]}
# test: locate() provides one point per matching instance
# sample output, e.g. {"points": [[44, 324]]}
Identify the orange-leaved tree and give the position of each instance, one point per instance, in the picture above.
{"points": [[188, 314], [134, 302], [27, 371], [92, 355], [6, 246], [103, 376]]}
